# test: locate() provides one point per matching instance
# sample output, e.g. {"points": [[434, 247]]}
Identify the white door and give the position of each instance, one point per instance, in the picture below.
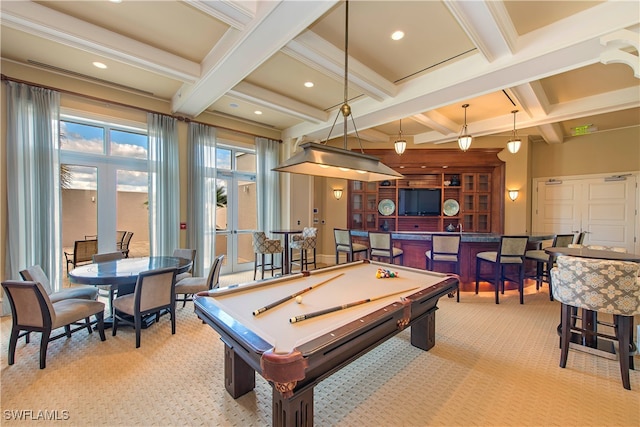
{"points": [[603, 207]]}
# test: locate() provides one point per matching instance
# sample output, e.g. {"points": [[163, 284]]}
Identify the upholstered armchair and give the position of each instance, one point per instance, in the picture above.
{"points": [[33, 311], [601, 286]]}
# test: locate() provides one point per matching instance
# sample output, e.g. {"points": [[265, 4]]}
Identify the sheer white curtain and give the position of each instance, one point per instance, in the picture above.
{"points": [[33, 181], [201, 195], [268, 191], [164, 184]]}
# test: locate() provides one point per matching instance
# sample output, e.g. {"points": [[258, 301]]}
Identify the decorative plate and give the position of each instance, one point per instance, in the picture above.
{"points": [[450, 207], [386, 207]]}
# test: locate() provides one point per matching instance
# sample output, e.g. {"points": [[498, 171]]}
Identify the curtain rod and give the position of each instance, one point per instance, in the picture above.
{"points": [[94, 98]]}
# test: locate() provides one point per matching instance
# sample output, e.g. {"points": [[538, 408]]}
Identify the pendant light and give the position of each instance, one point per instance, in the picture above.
{"points": [[322, 160], [401, 144], [464, 140], [515, 142]]}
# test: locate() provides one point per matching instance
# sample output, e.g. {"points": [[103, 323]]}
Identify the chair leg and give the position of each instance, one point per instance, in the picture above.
{"points": [[497, 277], [44, 343], [137, 320], [88, 320], [521, 282], [13, 340], [173, 321], [114, 325], [623, 326], [478, 263], [255, 265], [100, 325], [262, 267], [565, 334]]}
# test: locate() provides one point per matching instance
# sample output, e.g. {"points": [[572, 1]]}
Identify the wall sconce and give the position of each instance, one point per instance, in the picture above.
{"points": [[513, 195], [337, 193]]}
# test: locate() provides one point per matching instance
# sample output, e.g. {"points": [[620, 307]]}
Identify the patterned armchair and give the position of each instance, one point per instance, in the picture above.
{"points": [[603, 286], [263, 246], [304, 242]]}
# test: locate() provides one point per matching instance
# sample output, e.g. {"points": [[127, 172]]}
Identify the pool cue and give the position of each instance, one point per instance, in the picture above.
{"points": [[287, 298], [342, 307]]}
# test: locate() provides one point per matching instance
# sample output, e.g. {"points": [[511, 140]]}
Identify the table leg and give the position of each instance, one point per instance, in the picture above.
{"points": [[239, 377], [294, 411], [423, 331]]}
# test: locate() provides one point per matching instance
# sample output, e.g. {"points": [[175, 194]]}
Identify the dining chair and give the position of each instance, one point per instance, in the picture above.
{"points": [[35, 273], [510, 253], [33, 311], [189, 254], [119, 238], [544, 262], [126, 241], [108, 288], [154, 292], [190, 286], [83, 251], [381, 246], [263, 246], [345, 244], [601, 286], [303, 243]]}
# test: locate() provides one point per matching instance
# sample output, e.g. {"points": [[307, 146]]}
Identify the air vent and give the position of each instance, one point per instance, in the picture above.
{"points": [[86, 77]]}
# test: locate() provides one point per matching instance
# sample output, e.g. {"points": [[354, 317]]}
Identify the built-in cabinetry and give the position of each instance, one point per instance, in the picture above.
{"points": [[471, 196]]}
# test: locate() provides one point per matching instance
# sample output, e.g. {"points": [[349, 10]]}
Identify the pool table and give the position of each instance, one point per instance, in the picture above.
{"points": [[294, 357]]}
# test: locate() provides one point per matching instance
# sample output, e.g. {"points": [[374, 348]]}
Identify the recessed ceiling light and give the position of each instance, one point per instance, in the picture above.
{"points": [[258, 112], [115, 1], [233, 105], [99, 65], [308, 84], [397, 35]]}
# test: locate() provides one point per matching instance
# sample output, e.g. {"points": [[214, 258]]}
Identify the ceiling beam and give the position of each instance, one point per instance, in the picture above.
{"points": [[274, 25]]}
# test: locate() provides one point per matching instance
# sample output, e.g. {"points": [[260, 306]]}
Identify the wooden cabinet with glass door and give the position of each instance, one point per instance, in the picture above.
{"points": [[476, 202], [363, 204]]}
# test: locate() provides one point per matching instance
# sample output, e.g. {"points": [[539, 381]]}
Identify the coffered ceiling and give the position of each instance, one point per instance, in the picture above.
{"points": [[562, 64]]}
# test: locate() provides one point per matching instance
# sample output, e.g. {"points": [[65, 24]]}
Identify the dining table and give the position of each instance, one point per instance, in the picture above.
{"points": [[285, 257], [122, 274], [588, 342]]}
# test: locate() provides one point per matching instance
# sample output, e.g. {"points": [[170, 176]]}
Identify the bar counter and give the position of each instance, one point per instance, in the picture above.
{"points": [[415, 244]]}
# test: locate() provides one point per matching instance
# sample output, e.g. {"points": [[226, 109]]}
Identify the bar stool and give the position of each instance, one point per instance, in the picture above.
{"points": [[445, 249], [544, 262], [263, 246], [510, 253], [381, 246], [616, 285], [304, 243], [344, 244]]}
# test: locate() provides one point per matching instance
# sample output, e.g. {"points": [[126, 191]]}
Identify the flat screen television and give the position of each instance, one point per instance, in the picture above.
{"points": [[419, 201]]}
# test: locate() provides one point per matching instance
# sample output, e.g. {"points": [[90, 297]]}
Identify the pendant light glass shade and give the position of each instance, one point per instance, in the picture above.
{"points": [[401, 144], [464, 139], [323, 160], [513, 145]]}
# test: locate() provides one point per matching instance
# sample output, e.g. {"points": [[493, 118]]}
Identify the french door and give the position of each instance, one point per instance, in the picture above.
{"points": [[236, 222], [604, 207]]}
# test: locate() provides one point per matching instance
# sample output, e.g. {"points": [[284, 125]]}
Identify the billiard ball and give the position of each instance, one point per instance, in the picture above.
{"points": [[299, 299]]}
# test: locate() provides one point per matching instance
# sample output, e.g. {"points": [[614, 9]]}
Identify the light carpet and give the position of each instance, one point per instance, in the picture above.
{"points": [[492, 365]]}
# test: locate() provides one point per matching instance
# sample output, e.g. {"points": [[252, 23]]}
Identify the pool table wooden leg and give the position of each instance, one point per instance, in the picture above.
{"points": [[423, 331], [239, 377], [294, 411]]}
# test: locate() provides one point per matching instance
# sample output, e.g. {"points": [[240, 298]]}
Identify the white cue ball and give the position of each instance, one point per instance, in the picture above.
{"points": [[299, 299]]}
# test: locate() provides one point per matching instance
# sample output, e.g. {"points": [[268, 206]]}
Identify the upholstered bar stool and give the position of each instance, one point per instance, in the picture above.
{"points": [[510, 253], [346, 245], [263, 246], [304, 243], [381, 246], [445, 249], [601, 286]]}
